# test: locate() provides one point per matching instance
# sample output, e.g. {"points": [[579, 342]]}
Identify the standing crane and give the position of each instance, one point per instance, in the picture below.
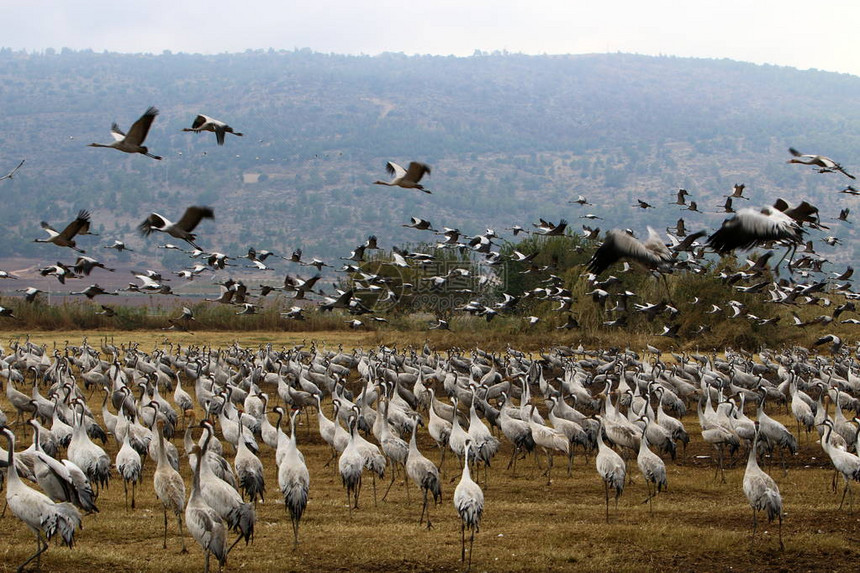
{"points": [[761, 491], [168, 484], [36, 510], [611, 468], [85, 454], [652, 467], [394, 448], [424, 474], [516, 431], [485, 443], [351, 464], [845, 462], [223, 498], [439, 429], [774, 433], [249, 468], [129, 465], [549, 439], [132, 142], [61, 480], [204, 523], [294, 480], [469, 503]]}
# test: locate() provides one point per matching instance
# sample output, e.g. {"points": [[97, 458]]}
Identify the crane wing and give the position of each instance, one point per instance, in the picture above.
{"points": [[199, 121], [154, 221], [193, 216], [73, 228], [416, 171], [394, 170], [116, 132], [51, 231], [618, 245], [140, 128]]}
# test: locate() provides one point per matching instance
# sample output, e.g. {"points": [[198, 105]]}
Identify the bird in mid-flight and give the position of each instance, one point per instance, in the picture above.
{"points": [[132, 142]]}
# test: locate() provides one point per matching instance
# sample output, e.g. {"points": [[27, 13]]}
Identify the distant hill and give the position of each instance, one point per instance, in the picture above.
{"points": [[510, 138]]}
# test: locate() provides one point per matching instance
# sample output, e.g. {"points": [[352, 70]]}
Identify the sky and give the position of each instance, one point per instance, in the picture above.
{"points": [[800, 34]]}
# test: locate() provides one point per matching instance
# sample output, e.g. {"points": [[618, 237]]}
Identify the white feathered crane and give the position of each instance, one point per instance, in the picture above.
{"points": [[36, 510]]}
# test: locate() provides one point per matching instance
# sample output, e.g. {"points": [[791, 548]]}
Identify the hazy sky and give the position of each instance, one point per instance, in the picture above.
{"points": [[800, 34]]}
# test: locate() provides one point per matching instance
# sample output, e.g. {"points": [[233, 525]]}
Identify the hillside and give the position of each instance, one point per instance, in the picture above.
{"points": [[511, 138]]}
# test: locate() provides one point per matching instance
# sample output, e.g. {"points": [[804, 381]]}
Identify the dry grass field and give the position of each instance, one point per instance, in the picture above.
{"points": [[698, 525]]}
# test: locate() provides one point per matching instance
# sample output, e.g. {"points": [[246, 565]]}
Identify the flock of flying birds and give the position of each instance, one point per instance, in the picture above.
{"points": [[781, 224]]}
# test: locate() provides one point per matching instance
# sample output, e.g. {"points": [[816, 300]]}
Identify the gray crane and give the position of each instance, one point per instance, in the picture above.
{"points": [[761, 491], [406, 178], [469, 503], [294, 481], [204, 523], [168, 485], [611, 467], [132, 142], [652, 467], [425, 475]]}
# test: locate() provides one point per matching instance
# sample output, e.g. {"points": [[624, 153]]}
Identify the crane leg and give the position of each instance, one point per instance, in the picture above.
{"points": [[462, 541], [845, 491], [181, 534], [391, 483], [164, 546], [206, 566], [295, 523], [606, 492], [373, 477], [442, 462], [755, 525], [40, 548], [356, 491], [133, 487], [471, 544], [238, 539], [125, 487], [781, 544], [423, 509]]}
